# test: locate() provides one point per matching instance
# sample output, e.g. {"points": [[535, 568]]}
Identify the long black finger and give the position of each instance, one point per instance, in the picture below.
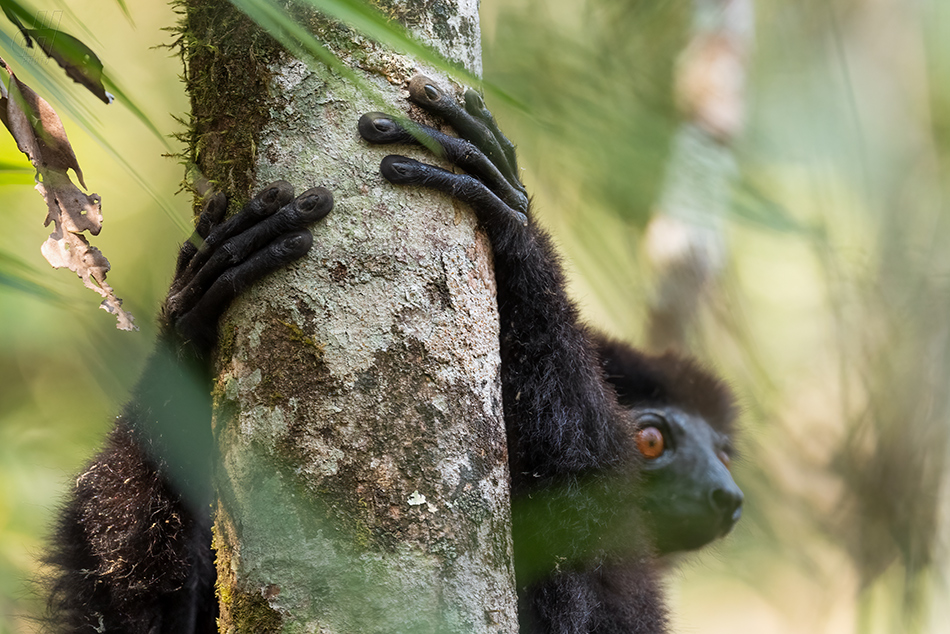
{"points": [[264, 204], [475, 106], [425, 93], [489, 208], [377, 127], [185, 255], [306, 209], [199, 325], [211, 214]]}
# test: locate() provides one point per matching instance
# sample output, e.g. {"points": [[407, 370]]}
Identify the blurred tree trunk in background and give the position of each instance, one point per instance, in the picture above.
{"points": [[684, 239], [362, 480]]}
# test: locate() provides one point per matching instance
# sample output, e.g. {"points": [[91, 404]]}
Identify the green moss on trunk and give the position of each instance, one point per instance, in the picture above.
{"points": [[241, 611], [227, 59]]}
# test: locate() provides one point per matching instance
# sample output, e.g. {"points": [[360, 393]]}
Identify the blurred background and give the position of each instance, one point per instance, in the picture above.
{"points": [[787, 221]]}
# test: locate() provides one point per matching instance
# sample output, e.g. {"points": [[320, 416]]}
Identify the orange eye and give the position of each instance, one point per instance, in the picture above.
{"points": [[724, 458], [650, 442]]}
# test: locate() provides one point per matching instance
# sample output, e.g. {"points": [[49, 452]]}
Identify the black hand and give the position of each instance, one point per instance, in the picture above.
{"points": [[378, 127], [425, 93], [482, 151], [270, 232]]}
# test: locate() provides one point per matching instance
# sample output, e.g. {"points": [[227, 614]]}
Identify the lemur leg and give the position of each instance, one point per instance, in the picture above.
{"points": [[566, 444], [132, 549]]}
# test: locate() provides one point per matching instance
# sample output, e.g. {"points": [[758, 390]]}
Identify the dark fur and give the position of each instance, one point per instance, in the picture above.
{"points": [[133, 557], [134, 553], [568, 442], [663, 380]]}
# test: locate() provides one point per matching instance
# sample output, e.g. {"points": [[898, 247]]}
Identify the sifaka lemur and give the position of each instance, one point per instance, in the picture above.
{"points": [[615, 456]]}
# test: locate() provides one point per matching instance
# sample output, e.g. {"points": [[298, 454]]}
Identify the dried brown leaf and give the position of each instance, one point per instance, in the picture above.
{"points": [[39, 133], [38, 130]]}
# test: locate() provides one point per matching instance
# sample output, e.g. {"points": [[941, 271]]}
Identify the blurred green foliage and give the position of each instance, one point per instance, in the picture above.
{"points": [[831, 319], [64, 369]]}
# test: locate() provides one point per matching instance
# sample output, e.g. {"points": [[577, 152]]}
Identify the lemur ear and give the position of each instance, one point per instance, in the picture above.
{"points": [[641, 380]]}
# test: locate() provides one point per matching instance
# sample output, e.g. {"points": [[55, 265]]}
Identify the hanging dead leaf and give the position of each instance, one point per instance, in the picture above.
{"points": [[39, 133], [38, 130]]}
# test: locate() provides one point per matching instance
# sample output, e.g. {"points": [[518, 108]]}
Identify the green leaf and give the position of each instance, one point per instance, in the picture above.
{"points": [[374, 25], [15, 13], [273, 19], [48, 84], [751, 205], [80, 63], [29, 287], [15, 166], [366, 19], [125, 10], [123, 98]]}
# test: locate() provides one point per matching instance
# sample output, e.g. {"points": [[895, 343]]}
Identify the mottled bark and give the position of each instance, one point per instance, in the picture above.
{"points": [[362, 480]]}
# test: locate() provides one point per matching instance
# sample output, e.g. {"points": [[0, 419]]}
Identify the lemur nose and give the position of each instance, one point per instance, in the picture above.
{"points": [[728, 502]]}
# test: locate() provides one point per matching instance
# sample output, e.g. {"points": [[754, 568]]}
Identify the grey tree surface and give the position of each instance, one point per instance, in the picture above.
{"points": [[362, 482]]}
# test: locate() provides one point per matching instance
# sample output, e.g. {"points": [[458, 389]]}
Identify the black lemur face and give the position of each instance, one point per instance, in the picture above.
{"points": [[689, 494]]}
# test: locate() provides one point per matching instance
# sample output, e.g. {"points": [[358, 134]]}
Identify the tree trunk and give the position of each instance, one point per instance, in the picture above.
{"points": [[362, 482]]}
